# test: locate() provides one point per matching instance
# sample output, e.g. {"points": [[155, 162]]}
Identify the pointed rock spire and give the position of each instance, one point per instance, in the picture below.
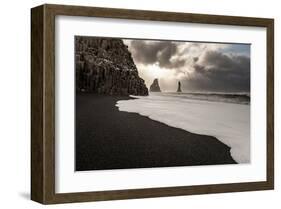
{"points": [[155, 86], [179, 87]]}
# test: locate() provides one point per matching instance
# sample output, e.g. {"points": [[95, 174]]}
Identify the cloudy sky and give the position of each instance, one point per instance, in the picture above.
{"points": [[199, 66]]}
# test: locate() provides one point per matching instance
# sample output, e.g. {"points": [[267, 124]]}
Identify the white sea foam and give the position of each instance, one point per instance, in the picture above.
{"points": [[228, 122]]}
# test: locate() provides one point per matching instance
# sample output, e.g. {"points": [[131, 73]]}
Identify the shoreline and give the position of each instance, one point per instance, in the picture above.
{"points": [[107, 138]]}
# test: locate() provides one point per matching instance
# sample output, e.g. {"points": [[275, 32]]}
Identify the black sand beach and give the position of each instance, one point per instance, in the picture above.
{"points": [[107, 138]]}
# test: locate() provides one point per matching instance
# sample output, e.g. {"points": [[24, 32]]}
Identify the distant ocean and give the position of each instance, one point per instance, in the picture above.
{"points": [[238, 98], [224, 116]]}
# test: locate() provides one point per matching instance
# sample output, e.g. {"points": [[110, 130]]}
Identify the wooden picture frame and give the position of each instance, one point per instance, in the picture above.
{"points": [[43, 103]]}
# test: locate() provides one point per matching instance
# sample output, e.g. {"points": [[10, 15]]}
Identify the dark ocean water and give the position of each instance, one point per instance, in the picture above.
{"points": [[237, 98]]}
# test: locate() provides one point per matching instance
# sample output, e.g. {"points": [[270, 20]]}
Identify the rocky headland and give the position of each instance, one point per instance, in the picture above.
{"points": [[105, 66]]}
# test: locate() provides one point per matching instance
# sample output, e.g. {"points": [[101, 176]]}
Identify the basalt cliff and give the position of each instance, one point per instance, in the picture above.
{"points": [[105, 66]]}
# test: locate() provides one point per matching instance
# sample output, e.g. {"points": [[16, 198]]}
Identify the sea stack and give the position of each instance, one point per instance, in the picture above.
{"points": [[105, 66], [179, 87], [155, 86]]}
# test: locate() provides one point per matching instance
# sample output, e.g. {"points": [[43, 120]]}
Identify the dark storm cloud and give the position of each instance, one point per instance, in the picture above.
{"points": [[200, 66], [195, 59], [220, 72], [153, 52]]}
